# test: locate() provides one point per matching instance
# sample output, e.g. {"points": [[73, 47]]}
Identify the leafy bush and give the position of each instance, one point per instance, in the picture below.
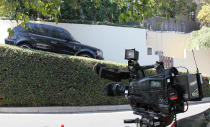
{"points": [[38, 78], [204, 15], [123, 24], [200, 38], [91, 10]]}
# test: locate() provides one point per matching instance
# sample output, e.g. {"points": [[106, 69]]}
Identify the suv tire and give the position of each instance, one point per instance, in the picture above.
{"points": [[85, 55], [24, 45]]}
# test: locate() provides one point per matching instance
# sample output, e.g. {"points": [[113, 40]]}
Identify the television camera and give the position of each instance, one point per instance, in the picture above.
{"points": [[156, 97]]}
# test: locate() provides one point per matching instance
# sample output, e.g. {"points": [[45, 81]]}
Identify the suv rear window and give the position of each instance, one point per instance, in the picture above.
{"points": [[18, 28], [48, 30]]}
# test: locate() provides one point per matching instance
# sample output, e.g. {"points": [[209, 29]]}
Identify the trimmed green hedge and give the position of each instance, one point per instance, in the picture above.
{"points": [[38, 78]]}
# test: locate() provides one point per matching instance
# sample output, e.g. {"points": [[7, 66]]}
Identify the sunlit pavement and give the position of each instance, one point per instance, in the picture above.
{"points": [[101, 119]]}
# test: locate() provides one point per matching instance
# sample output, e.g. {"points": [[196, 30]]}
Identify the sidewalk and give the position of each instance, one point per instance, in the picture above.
{"points": [[77, 109]]}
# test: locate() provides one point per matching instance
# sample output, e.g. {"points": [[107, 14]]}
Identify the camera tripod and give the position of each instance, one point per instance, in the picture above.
{"points": [[151, 121]]}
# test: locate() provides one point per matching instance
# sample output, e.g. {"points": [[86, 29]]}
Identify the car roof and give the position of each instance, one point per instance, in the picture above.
{"points": [[47, 29], [37, 25]]}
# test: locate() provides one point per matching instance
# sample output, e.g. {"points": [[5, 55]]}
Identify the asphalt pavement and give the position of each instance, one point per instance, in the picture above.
{"points": [[91, 119]]}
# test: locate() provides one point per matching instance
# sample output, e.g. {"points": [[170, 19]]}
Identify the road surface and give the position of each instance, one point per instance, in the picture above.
{"points": [[100, 119]]}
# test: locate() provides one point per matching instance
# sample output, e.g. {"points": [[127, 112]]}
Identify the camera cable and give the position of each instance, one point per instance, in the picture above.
{"points": [[175, 118]]}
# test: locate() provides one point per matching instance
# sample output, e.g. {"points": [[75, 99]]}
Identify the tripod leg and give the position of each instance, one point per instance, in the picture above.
{"points": [[138, 124]]}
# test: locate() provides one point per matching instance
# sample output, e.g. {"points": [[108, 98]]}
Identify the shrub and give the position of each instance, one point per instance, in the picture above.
{"points": [[200, 38], [91, 10], [38, 78], [204, 15]]}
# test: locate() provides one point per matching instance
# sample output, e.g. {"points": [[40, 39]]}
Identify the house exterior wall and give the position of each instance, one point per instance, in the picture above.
{"points": [[171, 43], [202, 57], [110, 39], [175, 45]]}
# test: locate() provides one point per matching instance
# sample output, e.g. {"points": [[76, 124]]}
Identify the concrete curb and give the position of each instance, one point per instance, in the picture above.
{"points": [[204, 100], [64, 109], [77, 109]]}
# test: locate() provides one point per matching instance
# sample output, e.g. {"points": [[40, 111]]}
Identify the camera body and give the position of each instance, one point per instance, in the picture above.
{"points": [[164, 94], [161, 94]]}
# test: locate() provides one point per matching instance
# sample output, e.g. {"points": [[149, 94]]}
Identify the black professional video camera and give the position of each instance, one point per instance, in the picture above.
{"points": [[157, 97]]}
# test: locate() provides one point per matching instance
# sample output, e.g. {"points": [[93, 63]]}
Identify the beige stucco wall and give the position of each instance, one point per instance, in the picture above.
{"points": [[112, 40], [203, 60], [175, 45], [172, 44]]}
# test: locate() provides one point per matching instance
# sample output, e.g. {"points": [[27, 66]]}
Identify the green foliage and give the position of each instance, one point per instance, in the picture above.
{"points": [[11, 32], [38, 78], [204, 15], [175, 8], [114, 11], [140, 9], [21, 10], [120, 24], [136, 10], [200, 38], [91, 10], [205, 1]]}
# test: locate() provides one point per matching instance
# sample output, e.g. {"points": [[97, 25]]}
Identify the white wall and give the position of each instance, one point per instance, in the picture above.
{"points": [[4, 25], [112, 40]]}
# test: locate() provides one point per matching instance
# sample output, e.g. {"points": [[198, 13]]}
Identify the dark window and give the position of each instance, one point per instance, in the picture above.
{"points": [[19, 28], [30, 27], [159, 53], [60, 33], [149, 51], [48, 30], [36, 28]]}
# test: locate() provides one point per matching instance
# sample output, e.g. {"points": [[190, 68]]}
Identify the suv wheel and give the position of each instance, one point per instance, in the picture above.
{"points": [[27, 46], [86, 55]]}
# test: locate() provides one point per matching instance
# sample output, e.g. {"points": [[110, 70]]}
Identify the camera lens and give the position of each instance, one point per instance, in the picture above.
{"points": [[115, 89]]}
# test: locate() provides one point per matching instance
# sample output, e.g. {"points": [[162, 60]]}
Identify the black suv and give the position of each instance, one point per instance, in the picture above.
{"points": [[51, 38]]}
